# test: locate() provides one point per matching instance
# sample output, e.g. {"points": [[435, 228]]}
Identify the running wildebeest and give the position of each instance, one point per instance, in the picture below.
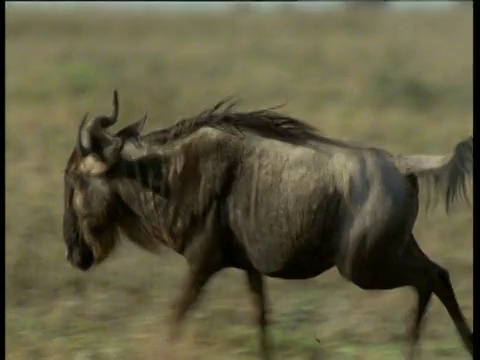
{"points": [[264, 193]]}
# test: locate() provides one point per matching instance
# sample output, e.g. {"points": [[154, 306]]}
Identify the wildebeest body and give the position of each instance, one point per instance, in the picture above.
{"points": [[322, 202], [263, 193], [293, 212]]}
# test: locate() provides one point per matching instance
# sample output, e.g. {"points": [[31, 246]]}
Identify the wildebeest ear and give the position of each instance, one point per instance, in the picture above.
{"points": [[132, 132]]}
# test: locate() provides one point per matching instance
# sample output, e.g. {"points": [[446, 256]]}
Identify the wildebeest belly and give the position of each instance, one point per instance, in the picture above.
{"points": [[305, 263]]}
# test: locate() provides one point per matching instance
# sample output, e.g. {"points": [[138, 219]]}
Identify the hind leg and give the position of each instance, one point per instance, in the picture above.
{"points": [[423, 299], [411, 267], [439, 284], [424, 295], [443, 289]]}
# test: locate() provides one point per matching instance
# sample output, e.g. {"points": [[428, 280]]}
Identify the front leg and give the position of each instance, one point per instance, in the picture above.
{"points": [[256, 286], [189, 295], [204, 256]]}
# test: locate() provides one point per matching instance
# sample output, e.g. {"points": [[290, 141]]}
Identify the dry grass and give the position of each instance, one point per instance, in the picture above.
{"points": [[398, 80]]}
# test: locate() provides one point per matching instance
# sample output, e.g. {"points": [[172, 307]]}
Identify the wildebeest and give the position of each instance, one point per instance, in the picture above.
{"points": [[264, 193]]}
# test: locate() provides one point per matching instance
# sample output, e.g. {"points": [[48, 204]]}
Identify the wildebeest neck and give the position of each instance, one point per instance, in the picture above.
{"points": [[149, 171]]}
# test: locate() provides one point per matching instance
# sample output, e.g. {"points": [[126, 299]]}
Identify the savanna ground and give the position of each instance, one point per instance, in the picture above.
{"points": [[399, 80]]}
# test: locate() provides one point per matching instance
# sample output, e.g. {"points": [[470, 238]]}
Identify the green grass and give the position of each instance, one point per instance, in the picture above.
{"points": [[400, 80]]}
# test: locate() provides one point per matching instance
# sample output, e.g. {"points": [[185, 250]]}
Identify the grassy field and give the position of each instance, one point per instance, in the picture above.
{"points": [[402, 81]]}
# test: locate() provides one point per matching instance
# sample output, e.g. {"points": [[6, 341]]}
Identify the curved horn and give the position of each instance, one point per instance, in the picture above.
{"points": [[107, 121], [113, 118], [84, 142]]}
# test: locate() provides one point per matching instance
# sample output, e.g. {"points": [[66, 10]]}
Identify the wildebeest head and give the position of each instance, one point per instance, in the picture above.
{"points": [[91, 207]]}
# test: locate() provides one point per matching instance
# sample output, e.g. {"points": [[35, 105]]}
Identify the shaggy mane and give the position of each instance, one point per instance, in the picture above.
{"points": [[265, 122]]}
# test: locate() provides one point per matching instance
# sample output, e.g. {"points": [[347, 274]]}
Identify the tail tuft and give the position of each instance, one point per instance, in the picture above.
{"points": [[459, 171], [448, 175]]}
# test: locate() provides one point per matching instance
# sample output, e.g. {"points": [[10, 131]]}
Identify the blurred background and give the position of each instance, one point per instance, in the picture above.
{"points": [[397, 76]]}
